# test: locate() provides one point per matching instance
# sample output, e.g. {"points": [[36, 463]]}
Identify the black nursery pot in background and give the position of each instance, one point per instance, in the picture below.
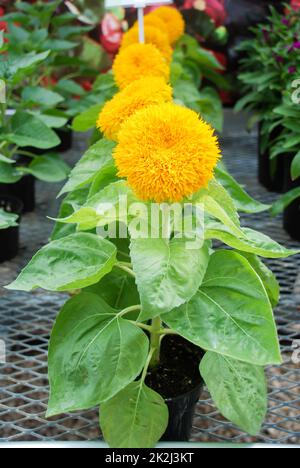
{"points": [[177, 379], [9, 238], [291, 215], [24, 190], [66, 136], [271, 181]]}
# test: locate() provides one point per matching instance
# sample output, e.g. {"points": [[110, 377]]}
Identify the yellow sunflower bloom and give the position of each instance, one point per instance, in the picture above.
{"points": [[173, 20], [139, 94], [166, 152], [154, 21], [138, 61], [152, 36]]}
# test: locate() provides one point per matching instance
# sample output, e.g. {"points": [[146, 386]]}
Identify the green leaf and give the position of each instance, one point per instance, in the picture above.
{"points": [[283, 202], [168, 273], [103, 208], [266, 275], [49, 168], [70, 87], [59, 45], [230, 314], [94, 353], [73, 262], [118, 290], [8, 173], [39, 95], [238, 389], [97, 158], [87, 120], [26, 61], [210, 107], [137, 417], [6, 160], [252, 242], [241, 199], [72, 202], [7, 219], [218, 203], [295, 168], [31, 131], [53, 118]]}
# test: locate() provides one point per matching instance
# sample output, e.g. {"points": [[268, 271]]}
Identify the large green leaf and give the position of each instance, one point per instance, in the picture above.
{"points": [[252, 242], [230, 314], [238, 389], [31, 131], [49, 168], [93, 354], [103, 208], [117, 289], [8, 173], [7, 219], [217, 202], [39, 95], [168, 274], [73, 262], [136, 417], [242, 200], [98, 157], [266, 275]]}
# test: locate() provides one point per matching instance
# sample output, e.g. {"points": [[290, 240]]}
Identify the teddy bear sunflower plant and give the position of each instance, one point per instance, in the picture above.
{"points": [[134, 247]]}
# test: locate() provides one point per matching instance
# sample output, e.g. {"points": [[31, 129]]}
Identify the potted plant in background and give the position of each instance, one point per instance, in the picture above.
{"points": [[10, 215], [152, 299], [289, 144], [267, 71], [22, 129]]}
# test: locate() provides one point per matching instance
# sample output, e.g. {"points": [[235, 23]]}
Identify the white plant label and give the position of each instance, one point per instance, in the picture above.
{"points": [[132, 3]]}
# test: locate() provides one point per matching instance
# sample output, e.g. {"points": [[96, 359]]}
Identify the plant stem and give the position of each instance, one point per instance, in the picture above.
{"points": [[130, 309], [155, 339], [125, 268]]}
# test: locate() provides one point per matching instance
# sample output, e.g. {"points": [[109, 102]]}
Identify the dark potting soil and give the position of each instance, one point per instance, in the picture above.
{"points": [[178, 372]]}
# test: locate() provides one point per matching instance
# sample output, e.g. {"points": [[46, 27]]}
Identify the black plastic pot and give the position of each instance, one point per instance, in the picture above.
{"points": [[66, 136], [291, 215], [9, 238], [24, 190], [272, 180], [181, 415]]}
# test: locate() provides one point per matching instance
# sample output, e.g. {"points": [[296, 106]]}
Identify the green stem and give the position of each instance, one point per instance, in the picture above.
{"points": [[150, 356], [142, 325], [155, 340], [167, 331], [130, 309], [125, 268]]}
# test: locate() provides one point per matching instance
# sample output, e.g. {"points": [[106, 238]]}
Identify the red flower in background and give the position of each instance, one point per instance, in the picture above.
{"points": [[213, 8], [112, 33], [216, 10], [295, 4]]}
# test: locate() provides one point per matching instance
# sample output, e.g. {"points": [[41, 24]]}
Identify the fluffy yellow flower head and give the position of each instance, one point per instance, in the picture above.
{"points": [[166, 152], [152, 36], [138, 61], [155, 22], [173, 20], [139, 94]]}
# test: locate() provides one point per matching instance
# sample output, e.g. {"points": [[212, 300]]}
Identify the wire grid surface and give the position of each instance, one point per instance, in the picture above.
{"points": [[26, 321]]}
